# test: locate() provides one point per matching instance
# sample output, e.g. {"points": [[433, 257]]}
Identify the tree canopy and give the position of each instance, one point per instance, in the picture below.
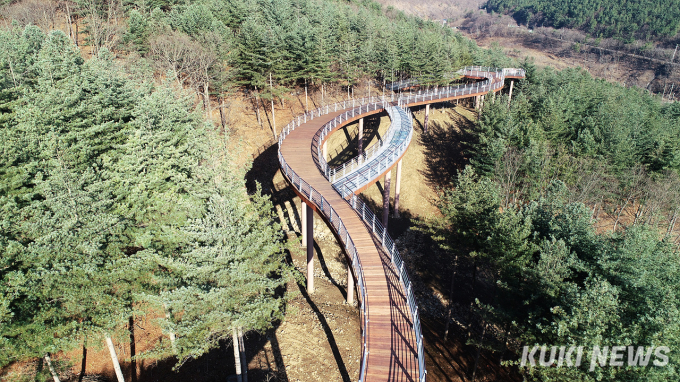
{"points": [[113, 199], [602, 18]]}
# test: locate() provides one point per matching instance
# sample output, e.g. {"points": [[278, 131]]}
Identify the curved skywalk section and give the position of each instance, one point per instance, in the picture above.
{"points": [[391, 335], [364, 170], [397, 117]]}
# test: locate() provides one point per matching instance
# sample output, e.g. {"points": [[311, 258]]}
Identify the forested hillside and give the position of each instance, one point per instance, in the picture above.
{"points": [[567, 211], [269, 47], [114, 204], [601, 18]]}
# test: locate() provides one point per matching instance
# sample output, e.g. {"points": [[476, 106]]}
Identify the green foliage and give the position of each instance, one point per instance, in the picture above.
{"points": [[587, 117], [228, 274], [106, 180], [558, 282], [565, 140], [622, 19], [296, 41]]}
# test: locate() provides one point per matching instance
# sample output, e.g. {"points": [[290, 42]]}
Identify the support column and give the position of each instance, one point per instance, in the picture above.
{"points": [[325, 150], [512, 82], [350, 285], [310, 249], [360, 144], [386, 198], [396, 190], [303, 229], [477, 102], [427, 115]]}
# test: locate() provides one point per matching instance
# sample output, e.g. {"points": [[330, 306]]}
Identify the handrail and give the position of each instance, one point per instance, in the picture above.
{"points": [[337, 173], [411, 82], [380, 232], [379, 159], [315, 197], [495, 81], [367, 171]]}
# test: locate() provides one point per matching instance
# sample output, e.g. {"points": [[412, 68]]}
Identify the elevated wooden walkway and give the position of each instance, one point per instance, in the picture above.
{"points": [[391, 343]]}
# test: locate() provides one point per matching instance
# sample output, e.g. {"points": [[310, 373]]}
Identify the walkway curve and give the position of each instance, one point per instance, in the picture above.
{"points": [[391, 337]]}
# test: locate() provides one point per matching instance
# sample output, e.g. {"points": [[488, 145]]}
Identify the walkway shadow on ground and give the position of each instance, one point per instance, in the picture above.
{"points": [[264, 168], [348, 151], [326, 328], [444, 148], [218, 364]]}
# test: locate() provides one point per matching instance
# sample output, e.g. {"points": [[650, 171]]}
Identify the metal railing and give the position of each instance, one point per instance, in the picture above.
{"points": [[336, 222], [336, 173], [480, 70], [372, 104], [402, 122], [380, 232], [380, 160], [357, 106]]}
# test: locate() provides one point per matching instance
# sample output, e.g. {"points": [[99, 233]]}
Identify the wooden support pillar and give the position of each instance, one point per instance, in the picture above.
{"points": [[386, 198], [512, 82], [360, 144], [325, 150], [350, 285], [427, 115], [477, 102], [396, 190], [310, 249]]}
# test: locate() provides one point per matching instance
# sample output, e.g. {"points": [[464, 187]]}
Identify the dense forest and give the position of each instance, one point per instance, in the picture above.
{"points": [[539, 211], [113, 204], [621, 19]]}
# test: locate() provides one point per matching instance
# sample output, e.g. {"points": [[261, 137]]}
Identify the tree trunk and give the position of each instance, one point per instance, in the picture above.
{"points": [[223, 117], [257, 107], [450, 308], [77, 32], [618, 216], [479, 350], [83, 363], [638, 213], [206, 99], [271, 88], [114, 359], [70, 24], [49, 366], [671, 224], [306, 104], [242, 351], [237, 356], [133, 350], [171, 334]]}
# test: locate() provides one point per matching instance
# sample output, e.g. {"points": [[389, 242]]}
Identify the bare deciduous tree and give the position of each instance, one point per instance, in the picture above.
{"points": [[508, 174], [190, 61], [103, 22], [42, 13]]}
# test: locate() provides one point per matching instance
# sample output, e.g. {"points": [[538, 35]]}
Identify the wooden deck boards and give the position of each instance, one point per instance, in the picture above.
{"points": [[391, 341], [392, 345]]}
